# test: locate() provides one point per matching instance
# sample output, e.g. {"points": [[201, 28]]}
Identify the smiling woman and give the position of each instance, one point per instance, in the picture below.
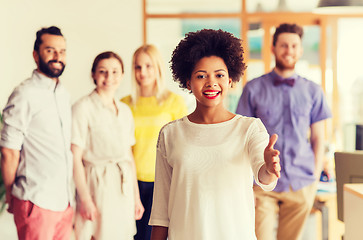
{"points": [[200, 154], [210, 82], [153, 106], [102, 136]]}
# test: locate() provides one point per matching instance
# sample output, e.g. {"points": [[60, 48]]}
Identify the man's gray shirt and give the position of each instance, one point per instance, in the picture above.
{"points": [[37, 121]]}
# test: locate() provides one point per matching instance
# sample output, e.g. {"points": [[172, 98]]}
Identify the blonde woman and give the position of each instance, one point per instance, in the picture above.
{"points": [[108, 199], [152, 106]]}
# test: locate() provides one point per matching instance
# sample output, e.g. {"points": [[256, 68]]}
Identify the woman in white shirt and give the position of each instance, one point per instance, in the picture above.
{"points": [[108, 199], [206, 161]]}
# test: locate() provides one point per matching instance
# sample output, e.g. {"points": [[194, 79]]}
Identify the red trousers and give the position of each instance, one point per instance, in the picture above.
{"points": [[35, 223]]}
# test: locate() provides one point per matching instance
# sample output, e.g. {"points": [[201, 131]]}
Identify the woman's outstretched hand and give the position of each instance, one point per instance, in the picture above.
{"points": [[272, 159]]}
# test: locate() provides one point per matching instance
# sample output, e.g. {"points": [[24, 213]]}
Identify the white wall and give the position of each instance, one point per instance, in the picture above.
{"points": [[89, 27]]}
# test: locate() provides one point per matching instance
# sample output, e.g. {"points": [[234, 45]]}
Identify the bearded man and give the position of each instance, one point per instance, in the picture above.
{"points": [[295, 109], [36, 163]]}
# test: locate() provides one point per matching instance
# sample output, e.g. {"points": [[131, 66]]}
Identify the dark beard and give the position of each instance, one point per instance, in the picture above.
{"points": [[52, 73], [281, 66]]}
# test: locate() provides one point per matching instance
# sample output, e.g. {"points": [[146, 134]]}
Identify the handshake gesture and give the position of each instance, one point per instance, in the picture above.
{"points": [[272, 159]]}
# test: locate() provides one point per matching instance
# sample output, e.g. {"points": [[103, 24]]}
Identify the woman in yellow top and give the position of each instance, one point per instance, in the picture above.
{"points": [[152, 106]]}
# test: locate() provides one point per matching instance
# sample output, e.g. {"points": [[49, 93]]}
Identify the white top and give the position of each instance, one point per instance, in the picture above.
{"points": [[37, 121], [204, 178], [103, 136], [106, 139]]}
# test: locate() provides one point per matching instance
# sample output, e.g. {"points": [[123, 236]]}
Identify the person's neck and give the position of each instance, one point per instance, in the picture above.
{"points": [[284, 73], [147, 91], [56, 80], [210, 115], [107, 98]]}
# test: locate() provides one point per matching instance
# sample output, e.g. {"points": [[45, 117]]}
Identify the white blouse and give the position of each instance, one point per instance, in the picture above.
{"points": [[204, 178]]}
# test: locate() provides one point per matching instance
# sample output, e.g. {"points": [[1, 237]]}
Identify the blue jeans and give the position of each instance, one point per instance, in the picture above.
{"points": [[146, 195]]}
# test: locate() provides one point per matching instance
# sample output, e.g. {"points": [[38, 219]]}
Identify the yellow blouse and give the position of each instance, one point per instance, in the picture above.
{"points": [[149, 118]]}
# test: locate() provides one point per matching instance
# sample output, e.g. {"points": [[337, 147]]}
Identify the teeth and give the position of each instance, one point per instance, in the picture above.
{"points": [[56, 64], [211, 93]]}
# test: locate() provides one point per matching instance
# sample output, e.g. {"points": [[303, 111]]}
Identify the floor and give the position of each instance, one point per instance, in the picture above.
{"points": [[7, 226], [8, 230]]}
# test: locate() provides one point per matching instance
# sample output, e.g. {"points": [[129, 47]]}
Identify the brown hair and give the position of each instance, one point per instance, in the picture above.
{"points": [[106, 55], [287, 28]]}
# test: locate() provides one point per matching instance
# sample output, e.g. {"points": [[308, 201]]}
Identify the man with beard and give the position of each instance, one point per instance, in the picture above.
{"points": [[294, 108], [36, 162]]}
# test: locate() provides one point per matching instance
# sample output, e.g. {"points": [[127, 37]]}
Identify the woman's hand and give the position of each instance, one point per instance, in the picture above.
{"points": [[88, 210], [272, 159], [139, 209]]}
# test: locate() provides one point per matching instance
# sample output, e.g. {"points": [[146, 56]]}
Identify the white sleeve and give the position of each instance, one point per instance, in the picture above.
{"points": [[257, 143], [163, 173], [79, 124], [16, 116]]}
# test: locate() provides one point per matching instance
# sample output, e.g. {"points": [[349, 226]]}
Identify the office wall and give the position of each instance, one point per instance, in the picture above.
{"points": [[89, 27]]}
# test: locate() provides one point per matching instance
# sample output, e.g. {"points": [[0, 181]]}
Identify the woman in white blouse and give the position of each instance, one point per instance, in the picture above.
{"points": [[108, 200]]}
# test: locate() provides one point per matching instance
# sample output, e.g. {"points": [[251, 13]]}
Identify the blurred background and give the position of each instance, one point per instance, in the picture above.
{"points": [[333, 46]]}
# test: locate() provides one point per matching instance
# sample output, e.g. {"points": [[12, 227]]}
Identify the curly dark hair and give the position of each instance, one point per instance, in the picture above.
{"points": [[206, 43]]}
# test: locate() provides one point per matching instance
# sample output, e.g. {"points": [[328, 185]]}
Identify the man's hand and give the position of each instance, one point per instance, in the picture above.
{"points": [[8, 199]]}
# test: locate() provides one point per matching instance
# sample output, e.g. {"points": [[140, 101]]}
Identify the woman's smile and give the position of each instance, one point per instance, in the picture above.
{"points": [[211, 94]]}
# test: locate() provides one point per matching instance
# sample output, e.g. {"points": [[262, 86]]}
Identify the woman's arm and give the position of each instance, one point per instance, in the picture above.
{"points": [[88, 209], [139, 208]]}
